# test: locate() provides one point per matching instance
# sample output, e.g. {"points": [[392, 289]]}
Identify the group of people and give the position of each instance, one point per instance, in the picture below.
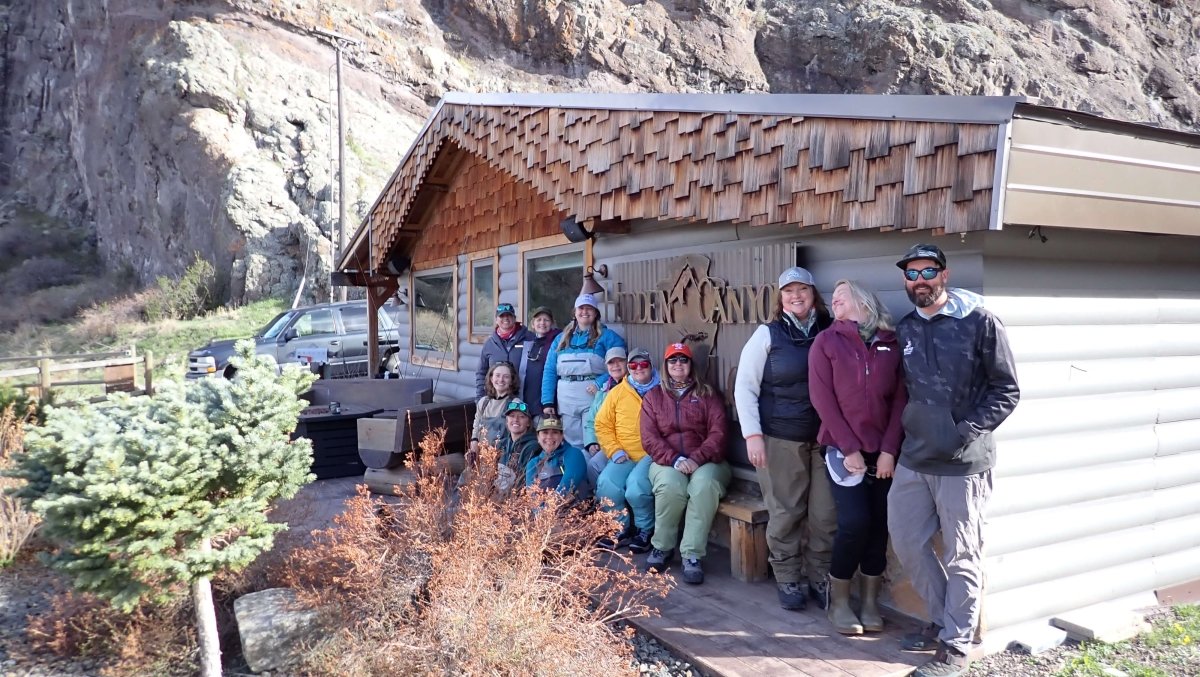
{"points": [[859, 429]]}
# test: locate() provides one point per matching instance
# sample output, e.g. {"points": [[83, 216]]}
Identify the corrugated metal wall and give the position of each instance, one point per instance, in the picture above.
{"points": [[1097, 494]]}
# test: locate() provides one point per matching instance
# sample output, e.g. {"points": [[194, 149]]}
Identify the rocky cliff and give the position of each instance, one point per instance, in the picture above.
{"points": [[168, 127]]}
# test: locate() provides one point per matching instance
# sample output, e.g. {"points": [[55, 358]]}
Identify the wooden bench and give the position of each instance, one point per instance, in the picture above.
{"points": [[747, 516]]}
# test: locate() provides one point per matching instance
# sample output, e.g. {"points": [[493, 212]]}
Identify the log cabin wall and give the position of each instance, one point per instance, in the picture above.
{"points": [[602, 165]]}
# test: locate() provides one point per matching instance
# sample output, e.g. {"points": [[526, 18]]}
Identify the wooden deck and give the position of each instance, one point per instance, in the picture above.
{"points": [[729, 628]]}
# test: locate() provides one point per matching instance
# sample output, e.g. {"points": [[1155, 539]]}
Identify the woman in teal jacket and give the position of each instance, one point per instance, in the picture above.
{"points": [[576, 359], [559, 466]]}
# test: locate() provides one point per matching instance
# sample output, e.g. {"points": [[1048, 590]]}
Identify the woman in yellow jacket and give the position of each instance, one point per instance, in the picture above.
{"points": [[625, 481]]}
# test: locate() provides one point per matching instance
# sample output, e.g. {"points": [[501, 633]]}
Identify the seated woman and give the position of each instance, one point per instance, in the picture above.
{"points": [[614, 361], [683, 429], [516, 448], [489, 421], [558, 465], [625, 481]]}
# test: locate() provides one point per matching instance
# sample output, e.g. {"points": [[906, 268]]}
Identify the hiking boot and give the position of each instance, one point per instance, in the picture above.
{"points": [[659, 561], [692, 571], [819, 593], [947, 662], [617, 541], [925, 640], [872, 620], [840, 614], [641, 541], [791, 596]]}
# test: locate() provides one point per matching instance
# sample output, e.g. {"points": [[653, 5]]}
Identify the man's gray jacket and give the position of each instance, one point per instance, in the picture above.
{"points": [[962, 384]]}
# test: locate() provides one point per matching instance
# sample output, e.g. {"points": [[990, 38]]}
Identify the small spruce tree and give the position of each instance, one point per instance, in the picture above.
{"points": [[147, 495]]}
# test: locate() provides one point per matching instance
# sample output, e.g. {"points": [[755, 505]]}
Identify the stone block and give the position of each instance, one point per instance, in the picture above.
{"points": [[273, 627], [1100, 624]]}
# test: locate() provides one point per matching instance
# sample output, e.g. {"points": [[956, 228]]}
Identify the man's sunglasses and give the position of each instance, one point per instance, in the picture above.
{"points": [[678, 359], [925, 273], [639, 364]]}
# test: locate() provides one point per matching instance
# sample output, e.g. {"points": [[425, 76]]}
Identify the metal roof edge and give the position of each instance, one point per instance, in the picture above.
{"points": [[1081, 120], [916, 107]]}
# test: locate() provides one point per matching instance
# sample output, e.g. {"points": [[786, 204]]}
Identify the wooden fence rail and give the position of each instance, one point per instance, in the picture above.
{"points": [[119, 371]]}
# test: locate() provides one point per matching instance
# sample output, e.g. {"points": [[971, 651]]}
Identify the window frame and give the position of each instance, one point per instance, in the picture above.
{"points": [[480, 259], [447, 361], [541, 248]]}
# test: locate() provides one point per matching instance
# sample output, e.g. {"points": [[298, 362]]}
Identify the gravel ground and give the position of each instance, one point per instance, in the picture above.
{"points": [[25, 589], [655, 660]]}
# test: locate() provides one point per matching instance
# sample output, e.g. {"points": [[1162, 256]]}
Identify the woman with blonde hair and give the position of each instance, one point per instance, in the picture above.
{"points": [[856, 383], [575, 361]]}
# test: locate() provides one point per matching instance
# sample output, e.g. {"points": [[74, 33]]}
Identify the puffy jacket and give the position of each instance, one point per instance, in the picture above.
{"points": [[617, 425], [857, 389], [962, 384], [604, 385], [496, 349], [691, 426], [579, 344], [533, 367]]}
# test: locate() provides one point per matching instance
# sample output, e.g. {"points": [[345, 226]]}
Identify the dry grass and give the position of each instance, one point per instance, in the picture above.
{"points": [[468, 583], [17, 525]]}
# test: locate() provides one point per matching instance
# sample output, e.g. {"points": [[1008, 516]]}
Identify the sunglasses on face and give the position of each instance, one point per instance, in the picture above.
{"points": [[679, 359], [925, 273], [639, 364]]}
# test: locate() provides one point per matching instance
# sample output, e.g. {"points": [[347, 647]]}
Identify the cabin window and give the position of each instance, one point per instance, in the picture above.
{"points": [[434, 334], [483, 297], [553, 280]]}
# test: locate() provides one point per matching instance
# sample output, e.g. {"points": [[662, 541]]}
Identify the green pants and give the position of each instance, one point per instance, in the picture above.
{"points": [[801, 516], [697, 494]]}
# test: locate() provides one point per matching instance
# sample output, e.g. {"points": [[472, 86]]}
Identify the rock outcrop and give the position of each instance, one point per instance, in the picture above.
{"points": [[171, 128]]}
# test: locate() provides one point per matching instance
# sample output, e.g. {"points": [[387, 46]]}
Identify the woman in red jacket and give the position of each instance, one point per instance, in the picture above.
{"points": [[857, 387], [683, 430]]}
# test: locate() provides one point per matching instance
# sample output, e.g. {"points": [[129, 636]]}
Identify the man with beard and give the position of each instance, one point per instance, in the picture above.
{"points": [[962, 384]]}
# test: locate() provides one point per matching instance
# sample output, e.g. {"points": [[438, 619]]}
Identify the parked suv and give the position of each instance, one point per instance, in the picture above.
{"points": [[332, 335]]}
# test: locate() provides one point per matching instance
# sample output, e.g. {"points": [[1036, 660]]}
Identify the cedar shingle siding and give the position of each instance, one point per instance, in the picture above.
{"points": [[492, 175]]}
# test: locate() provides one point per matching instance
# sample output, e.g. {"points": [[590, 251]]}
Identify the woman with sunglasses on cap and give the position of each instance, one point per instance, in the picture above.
{"points": [[575, 362], [625, 481], [533, 358], [780, 426], [505, 344], [683, 429], [857, 385], [490, 411], [516, 448]]}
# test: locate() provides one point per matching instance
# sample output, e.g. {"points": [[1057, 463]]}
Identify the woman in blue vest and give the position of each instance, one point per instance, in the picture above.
{"points": [[780, 425], [574, 362]]}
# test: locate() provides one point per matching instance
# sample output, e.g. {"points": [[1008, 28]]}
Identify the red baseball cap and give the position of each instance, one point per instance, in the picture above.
{"points": [[678, 349]]}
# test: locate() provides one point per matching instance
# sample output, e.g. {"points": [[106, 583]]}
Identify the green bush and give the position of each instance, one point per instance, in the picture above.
{"points": [[185, 297]]}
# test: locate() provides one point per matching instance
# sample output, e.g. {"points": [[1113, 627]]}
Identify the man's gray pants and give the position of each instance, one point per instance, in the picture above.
{"points": [[952, 587]]}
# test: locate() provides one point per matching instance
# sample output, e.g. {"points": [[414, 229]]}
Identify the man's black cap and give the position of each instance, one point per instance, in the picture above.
{"points": [[923, 251]]}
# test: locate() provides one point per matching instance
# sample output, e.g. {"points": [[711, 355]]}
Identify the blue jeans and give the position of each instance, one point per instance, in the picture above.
{"points": [[628, 484]]}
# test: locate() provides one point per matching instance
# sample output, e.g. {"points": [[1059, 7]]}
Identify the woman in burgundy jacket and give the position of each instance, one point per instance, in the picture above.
{"points": [[857, 387], [683, 429]]}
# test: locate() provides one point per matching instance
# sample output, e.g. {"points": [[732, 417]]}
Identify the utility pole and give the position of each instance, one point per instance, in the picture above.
{"points": [[338, 42]]}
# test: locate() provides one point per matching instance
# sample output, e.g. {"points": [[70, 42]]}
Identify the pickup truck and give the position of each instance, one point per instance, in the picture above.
{"points": [[330, 337]]}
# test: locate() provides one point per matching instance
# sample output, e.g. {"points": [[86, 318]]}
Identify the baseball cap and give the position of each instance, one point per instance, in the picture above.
{"points": [[505, 309], [678, 349], [923, 251], [836, 462], [549, 423], [542, 310], [796, 274], [639, 354], [613, 353], [517, 406], [587, 300]]}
